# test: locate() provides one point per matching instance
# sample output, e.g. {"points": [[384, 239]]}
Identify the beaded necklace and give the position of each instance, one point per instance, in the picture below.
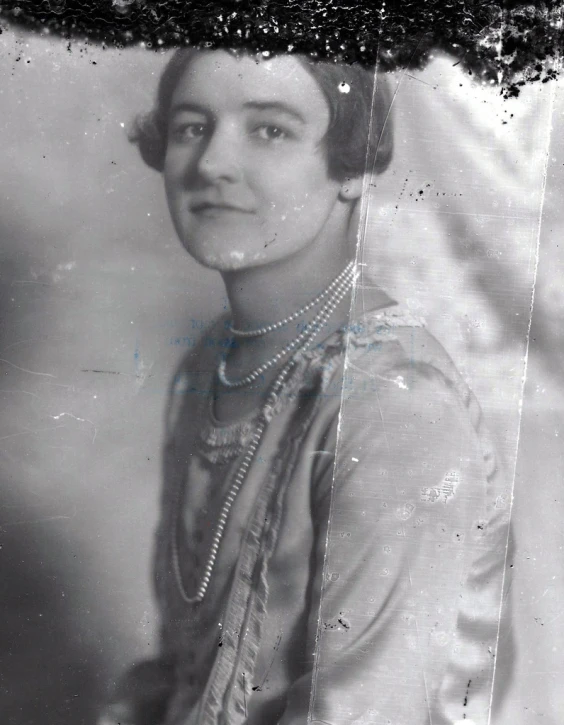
{"points": [[341, 286], [234, 489], [305, 339], [261, 331]]}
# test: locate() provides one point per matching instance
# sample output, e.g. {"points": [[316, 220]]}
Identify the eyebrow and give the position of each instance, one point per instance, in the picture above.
{"points": [[191, 107], [278, 106]]}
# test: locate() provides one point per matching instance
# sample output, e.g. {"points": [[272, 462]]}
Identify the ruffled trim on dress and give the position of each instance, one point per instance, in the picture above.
{"points": [[231, 679], [219, 443]]}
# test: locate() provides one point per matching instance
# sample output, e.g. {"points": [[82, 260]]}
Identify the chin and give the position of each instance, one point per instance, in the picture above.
{"points": [[231, 260]]}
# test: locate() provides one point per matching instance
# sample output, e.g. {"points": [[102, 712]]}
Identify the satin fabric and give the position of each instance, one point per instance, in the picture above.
{"points": [[360, 574]]}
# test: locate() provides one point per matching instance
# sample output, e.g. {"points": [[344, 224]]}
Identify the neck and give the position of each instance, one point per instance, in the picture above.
{"points": [[264, 295], [267, 293]]}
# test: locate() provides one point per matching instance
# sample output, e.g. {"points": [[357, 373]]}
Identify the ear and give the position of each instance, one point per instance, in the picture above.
{"points": [[351, 188]]}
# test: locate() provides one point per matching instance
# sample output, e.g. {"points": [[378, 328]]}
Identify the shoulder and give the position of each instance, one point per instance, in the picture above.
{"points": [[203, 354], [395, 338], [405, 415], [397, 372], [395, 349], [193, 374]]}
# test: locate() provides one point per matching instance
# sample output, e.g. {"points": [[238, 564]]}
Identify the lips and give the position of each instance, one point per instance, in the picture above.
{"points": [[210, 207]]}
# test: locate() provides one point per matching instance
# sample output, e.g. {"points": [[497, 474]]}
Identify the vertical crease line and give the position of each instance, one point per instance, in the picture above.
{"points": [[360, 236], [524, 377]]}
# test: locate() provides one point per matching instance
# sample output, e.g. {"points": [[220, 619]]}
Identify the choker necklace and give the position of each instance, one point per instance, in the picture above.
{"points": [[301, 341], [259, 332]]}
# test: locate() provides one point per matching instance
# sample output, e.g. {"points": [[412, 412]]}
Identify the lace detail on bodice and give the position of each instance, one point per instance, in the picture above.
{"points": [[220, 444]]}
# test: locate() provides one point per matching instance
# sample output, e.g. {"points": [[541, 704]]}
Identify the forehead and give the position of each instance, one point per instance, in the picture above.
{"points": [[220, 81]]}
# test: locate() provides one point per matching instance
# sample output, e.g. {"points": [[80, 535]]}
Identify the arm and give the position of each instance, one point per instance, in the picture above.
{"points": [[141, 694], [407, 549]]}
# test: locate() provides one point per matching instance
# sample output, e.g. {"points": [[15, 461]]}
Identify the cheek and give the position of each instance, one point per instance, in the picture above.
{"points": [[304, 202], [170, 180], [176, 170], [295, 189], [171, 173]]}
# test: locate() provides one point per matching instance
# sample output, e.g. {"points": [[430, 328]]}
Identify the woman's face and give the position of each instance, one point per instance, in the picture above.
{"points": [[246, 170]]}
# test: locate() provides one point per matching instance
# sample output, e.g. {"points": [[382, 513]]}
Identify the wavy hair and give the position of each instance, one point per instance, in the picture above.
{"points": [[360, 133]]}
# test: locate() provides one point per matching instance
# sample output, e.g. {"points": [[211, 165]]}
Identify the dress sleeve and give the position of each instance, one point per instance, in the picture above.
{"points": [[409, 562]]}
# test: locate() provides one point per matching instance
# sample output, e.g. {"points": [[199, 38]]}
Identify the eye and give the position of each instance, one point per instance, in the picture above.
{"points": [[270, 132], [188, 131]]}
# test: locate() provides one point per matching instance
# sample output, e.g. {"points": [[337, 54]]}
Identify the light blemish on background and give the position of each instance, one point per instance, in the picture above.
{"points": [[63, 267], [80, 420]]}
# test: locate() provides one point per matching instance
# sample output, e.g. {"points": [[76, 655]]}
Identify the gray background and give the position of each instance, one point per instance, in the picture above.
{"points": [[92, 279]]}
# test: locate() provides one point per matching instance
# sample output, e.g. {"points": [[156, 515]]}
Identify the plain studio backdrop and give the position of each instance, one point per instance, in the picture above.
{"points": [[99, 301]]}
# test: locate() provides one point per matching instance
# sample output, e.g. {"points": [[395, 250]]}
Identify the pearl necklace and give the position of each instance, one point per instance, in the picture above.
{"points": [[259, 332], [239, 478], [236, 485], [303, 339]]}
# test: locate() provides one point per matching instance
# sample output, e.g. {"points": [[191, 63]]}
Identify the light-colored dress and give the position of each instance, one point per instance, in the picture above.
{"points": [[356, 587]]}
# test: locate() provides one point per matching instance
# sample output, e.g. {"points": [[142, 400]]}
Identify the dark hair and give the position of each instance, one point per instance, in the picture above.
{"points": [[359, 110]]}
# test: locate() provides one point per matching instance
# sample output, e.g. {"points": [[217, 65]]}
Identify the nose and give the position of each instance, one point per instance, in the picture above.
{"points": [[220, 158]]}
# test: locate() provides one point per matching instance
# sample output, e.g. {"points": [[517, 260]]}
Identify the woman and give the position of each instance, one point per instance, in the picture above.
{"points": [[332, 535]]}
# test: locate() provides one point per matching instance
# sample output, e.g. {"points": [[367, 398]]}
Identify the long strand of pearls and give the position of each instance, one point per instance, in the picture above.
{"points": [[305, 339], [301, 340], [261, 331], [236, 485]]}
